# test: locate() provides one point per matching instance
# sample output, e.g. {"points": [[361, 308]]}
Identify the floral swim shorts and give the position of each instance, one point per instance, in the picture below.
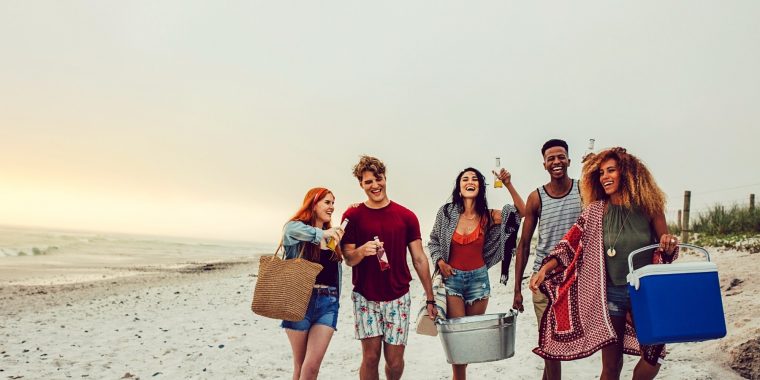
{"points": [[389, 319]]}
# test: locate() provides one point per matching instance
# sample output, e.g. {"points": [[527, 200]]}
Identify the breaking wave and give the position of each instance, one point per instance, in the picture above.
{"points": [[31, 251]]}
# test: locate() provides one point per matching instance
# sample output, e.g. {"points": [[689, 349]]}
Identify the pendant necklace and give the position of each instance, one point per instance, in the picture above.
{"points": [[611, 250]]}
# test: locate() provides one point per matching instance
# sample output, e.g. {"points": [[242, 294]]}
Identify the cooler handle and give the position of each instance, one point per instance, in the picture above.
{"points": [[682, 245]]}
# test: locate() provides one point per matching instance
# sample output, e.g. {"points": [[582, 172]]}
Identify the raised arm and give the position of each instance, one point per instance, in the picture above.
{"points": [[506, 178]]}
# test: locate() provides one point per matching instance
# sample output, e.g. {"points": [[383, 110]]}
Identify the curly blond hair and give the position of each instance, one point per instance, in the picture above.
{"points": [[637, 185], [369, 163]]}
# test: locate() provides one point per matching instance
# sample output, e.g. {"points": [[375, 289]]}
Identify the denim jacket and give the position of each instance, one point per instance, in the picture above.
{"points": [[296, 233]]}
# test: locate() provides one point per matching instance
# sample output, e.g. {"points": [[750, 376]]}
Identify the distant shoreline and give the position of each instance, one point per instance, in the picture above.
{"points": [[21, 297], [138, 235]]}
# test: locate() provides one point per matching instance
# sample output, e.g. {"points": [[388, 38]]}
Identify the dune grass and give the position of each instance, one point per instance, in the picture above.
{"points": [[726, 226]]}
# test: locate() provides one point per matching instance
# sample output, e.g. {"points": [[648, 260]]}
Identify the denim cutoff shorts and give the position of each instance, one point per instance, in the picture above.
{"points": [[618, 300], [322, 310], [470, 285]]}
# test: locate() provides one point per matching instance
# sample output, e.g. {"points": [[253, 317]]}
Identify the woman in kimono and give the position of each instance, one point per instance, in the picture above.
{"points": [[585, 275]]}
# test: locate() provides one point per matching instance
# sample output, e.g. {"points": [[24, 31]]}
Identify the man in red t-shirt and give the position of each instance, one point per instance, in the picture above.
{"points": [[381, 289]]}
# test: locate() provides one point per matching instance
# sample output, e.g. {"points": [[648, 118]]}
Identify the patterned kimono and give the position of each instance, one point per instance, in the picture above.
{"points": [[501, 239], [577, 323]]}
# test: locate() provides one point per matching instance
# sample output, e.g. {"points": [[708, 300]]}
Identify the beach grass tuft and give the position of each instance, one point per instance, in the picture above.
{"points": [[732, 226]]}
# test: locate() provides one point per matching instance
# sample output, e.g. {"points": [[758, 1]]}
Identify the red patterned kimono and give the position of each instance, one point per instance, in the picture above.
{"points": [[577, 323]]}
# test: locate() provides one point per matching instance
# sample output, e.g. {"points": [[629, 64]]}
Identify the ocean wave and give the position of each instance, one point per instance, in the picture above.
{"points": [[29, 251], [31, 242]]}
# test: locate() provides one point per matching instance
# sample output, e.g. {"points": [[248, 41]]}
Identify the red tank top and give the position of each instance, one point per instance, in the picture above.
{"points": [[466, 251]]}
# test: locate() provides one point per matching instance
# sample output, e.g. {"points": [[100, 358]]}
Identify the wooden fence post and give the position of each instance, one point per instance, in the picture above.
{"points": [[751, 202], [680, 221], [686, 207]]}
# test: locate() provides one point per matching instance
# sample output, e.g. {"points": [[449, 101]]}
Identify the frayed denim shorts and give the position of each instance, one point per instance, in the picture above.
{"points": [[322, 310], [618, 300], [469, 285]]}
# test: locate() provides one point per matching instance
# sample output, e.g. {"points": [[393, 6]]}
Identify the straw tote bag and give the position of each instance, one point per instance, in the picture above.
{"points": [[283, 287]]}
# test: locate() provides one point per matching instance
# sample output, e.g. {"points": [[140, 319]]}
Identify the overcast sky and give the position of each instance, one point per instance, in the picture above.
{"points": [[212, 119]]}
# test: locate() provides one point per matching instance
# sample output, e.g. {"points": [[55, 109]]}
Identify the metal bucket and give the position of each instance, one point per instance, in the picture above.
{"points": [[478, 338]]}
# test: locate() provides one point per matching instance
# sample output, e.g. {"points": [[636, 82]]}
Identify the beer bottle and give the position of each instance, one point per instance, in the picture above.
{"points": [[332, 243]]}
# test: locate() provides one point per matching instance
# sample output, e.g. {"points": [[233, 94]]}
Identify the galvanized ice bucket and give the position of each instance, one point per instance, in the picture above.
{"points": [[478, 338]]}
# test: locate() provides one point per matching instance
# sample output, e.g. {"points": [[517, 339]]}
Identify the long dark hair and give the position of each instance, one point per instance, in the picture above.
{"points": [[481, 204]]}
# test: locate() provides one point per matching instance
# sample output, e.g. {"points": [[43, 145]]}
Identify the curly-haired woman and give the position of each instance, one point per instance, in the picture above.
{"points": [[584, 277]]}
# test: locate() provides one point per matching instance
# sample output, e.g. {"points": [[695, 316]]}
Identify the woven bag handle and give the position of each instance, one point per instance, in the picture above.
{"points": [[279, 246]]}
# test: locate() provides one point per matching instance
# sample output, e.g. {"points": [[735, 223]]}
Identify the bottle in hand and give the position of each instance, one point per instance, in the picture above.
{"points": [[332, 243], [589, 151], [496, 181], [382, 258]]}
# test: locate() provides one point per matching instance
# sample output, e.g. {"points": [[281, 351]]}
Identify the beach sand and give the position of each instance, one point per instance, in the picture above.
{"points": [[180, 320]]}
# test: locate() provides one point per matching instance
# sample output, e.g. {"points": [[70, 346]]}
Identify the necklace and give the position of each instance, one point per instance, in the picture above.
{"points": [[611, 250], [467, 224]]}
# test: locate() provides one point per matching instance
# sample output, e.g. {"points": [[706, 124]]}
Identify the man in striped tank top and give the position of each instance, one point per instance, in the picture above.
{"points": [[555, 207]]}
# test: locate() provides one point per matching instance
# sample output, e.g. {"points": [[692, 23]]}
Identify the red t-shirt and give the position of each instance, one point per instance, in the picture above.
{"points": [[396, 226]]}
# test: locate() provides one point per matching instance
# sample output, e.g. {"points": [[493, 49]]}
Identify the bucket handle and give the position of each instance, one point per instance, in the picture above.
{"points": [[511, 313], [682, 245]]}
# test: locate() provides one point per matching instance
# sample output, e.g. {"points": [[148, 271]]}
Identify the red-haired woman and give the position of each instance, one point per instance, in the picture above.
{"points": [[309, 230], [586, 272]]}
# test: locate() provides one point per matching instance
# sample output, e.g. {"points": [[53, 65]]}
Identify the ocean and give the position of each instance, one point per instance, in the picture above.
{"points": [[22, 241]]}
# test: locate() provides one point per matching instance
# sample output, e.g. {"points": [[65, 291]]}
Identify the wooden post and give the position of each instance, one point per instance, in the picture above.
{"points": [[680, 221], [686, 207], [751, 202]]}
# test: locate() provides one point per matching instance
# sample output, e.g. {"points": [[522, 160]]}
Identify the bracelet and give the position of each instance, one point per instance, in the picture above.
{"points": [[430, 302]]}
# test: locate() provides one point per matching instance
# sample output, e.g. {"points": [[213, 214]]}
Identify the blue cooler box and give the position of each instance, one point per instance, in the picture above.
{"points": [[674, 303]]}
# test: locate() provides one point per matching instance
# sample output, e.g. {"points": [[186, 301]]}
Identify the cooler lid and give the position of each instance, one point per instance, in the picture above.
{"points": [[663, 269]]}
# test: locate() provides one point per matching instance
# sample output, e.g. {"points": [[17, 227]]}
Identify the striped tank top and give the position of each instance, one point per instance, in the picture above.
{"points": [[557, 216]]}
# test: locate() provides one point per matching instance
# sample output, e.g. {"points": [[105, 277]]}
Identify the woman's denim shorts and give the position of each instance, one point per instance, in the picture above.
{"points": [[322, 310], [469, 285], [618, 300]]}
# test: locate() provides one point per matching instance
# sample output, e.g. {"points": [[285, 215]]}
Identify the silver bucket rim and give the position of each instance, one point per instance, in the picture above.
{"points": [[476, 322]]}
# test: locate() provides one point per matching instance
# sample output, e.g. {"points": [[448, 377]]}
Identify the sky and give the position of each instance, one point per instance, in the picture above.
{"points": [[213, 119]]}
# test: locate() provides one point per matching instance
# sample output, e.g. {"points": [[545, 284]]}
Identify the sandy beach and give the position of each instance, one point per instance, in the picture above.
{"points": [[191, 320]]}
